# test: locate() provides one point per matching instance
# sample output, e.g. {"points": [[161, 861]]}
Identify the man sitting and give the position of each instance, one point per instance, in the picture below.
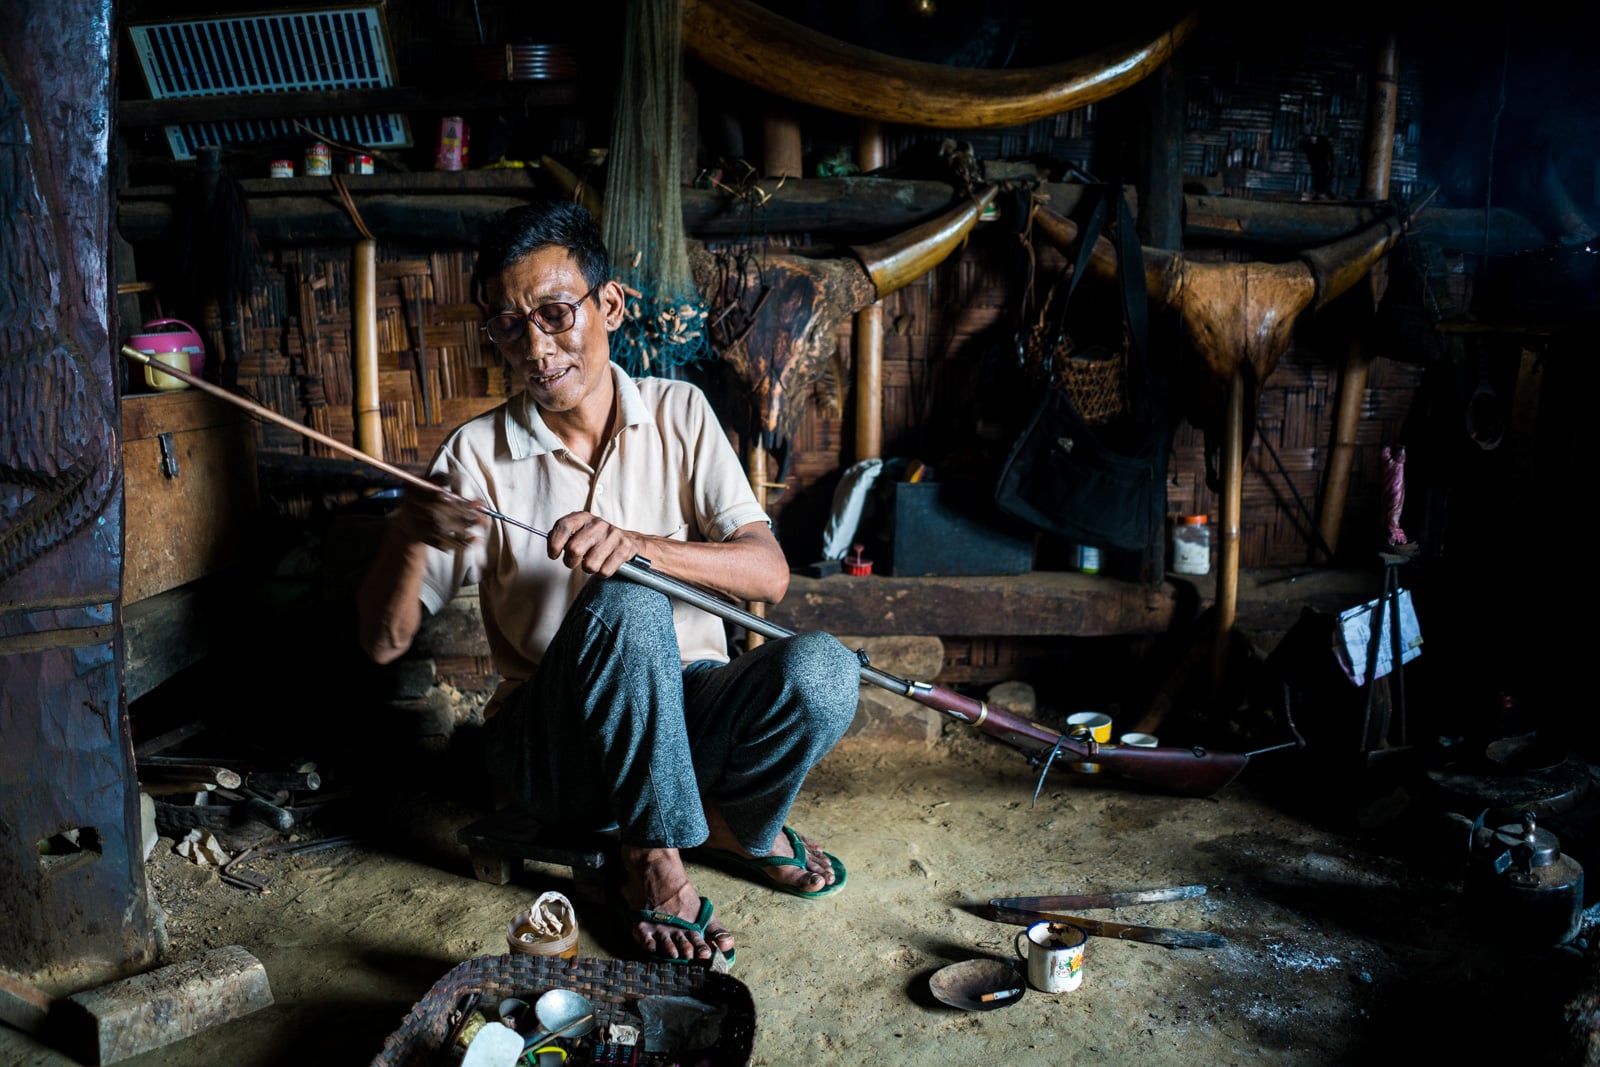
{"points": [[619, 707]]}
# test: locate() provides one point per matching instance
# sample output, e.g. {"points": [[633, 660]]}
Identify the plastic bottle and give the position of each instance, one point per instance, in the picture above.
{"points": [[1191, 545]]}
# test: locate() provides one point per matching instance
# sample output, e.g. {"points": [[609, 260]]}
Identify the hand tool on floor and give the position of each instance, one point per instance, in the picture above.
{"points": [[1100, 900], [1153, 935], [1195, 771]]}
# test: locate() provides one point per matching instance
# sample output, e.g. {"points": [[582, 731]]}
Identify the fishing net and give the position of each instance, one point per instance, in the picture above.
{"points": [[643, 220]]}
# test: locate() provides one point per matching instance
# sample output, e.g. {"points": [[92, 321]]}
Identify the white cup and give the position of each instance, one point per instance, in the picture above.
{"points": [[1139, 740], [1054, 954]]}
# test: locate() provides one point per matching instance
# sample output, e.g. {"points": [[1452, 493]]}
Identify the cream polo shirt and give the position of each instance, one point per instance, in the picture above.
{"points": [[668, 470]]}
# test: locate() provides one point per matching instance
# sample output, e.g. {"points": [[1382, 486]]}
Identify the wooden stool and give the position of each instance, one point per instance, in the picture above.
{"points": [[514, 834]]}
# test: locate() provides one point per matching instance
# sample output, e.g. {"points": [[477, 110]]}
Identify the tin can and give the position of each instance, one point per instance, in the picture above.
{"points": [[319, 160], [282, 168], [452, 151], [358, 165]]}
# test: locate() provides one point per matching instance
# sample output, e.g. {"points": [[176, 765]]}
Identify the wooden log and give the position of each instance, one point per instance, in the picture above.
{"points": [[163, 768], [451, 207], [23, 1005], [1358, 354], [155, 1009], [1036, 603]]}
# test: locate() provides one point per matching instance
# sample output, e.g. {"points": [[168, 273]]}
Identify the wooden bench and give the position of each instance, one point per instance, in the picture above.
{"points": [[512, 835]]}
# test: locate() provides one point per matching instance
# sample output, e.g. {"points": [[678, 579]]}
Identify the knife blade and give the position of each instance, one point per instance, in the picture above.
{"points": [[1154, 935], [1100, 900]]}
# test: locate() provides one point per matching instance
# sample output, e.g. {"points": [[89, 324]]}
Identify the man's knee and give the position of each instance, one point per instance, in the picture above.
{"points": [[827, 674]]}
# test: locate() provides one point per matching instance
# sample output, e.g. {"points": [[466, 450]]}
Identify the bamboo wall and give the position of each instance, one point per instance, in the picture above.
{"points": [[947, 335]]}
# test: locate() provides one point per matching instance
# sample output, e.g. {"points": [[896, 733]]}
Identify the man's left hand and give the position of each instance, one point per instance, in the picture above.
{"points": [[590, 543]]}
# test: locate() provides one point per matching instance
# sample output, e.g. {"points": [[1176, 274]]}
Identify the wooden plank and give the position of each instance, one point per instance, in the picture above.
{"points": [[173, 630], [1037, 603], [159, 1007], [148, 414]]}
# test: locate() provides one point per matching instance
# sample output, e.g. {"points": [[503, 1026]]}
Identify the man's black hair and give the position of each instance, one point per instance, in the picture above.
{"points": [[522, 231]]}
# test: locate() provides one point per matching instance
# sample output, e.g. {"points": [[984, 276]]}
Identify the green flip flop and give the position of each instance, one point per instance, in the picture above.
{"points": [[666, 918], [759, 865]]}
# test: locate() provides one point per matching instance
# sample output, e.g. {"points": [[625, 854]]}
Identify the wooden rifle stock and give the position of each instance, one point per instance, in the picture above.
{"points": [[1186, 771]]}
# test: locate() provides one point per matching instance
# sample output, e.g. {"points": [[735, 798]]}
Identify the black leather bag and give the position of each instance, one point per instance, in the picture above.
{"points": [[1102, 485]]}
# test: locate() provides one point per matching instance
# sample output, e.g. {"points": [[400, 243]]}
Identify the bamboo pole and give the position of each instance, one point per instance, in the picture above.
{"points": [[1358, 354], [756, 469], [369, 416], [1232, 497], [868, 334], [782, 156]]}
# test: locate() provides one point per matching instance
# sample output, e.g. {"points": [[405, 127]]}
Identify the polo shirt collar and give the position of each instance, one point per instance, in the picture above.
{"points": [[528, 436]]}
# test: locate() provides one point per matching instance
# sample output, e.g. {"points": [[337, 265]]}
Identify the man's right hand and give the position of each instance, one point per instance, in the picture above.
{"points": [[440, 519]]}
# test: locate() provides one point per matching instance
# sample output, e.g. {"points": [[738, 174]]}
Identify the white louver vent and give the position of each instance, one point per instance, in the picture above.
{"points": [[286, 51]]}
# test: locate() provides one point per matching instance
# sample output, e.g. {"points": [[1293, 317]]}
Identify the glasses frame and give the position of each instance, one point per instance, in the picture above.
{"points": [[533, 314]]}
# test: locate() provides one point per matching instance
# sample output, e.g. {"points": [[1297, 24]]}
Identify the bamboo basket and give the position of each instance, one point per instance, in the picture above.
{"points": [[614, 987]]}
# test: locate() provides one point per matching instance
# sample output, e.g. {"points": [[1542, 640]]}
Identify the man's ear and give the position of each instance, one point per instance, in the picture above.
{"points": [[614, 301]]}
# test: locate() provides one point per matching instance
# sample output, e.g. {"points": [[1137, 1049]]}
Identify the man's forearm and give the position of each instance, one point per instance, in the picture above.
{"points": [[389, 603], [750, 565]]}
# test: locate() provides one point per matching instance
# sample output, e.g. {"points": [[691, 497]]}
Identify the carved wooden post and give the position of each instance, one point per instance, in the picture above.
{"points": [[72, 882]]}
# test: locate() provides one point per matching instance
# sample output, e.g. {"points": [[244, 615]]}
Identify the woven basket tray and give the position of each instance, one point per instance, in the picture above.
{"points": [[612, 986]]}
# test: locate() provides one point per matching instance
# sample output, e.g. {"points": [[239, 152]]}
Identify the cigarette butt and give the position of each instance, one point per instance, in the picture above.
{"points": [[999, 994]]}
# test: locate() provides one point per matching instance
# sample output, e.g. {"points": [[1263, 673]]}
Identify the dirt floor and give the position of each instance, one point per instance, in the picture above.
{"points": [[1338, 949], [1342, 944]]}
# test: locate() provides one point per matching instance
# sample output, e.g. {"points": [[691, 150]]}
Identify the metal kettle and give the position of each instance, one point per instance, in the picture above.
{"points": [[1518, 873]]}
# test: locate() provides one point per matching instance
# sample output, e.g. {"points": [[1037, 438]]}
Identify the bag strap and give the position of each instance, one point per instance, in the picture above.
{"points": [[1086, 241]]}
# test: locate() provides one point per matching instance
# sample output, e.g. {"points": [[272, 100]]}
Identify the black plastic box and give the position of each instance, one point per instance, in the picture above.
{"points": [[927, 528]]}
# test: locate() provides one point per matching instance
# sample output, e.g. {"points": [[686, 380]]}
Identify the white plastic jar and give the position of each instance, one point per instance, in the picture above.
{"points": [[1191, 545]]}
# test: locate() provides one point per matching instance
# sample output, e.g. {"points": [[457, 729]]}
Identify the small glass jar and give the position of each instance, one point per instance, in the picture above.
{"points": [[1191, 545]]}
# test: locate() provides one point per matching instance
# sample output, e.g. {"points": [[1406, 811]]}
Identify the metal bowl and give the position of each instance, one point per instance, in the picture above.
{"points": [[963, 985]]}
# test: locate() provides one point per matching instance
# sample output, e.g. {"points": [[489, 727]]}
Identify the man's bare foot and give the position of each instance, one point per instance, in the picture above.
{"points": [[816, 876], [654, 880]]}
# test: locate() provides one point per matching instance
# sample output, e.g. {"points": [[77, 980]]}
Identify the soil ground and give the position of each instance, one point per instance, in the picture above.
{"points": [[1340, 947], [1349, 937]]}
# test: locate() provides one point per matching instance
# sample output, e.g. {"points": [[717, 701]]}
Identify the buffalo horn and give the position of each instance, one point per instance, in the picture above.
{"points": [[756, 46], [900, 260]]}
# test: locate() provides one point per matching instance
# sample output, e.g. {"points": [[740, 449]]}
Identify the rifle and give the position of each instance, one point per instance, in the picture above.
{"points": [[1185, 771]]}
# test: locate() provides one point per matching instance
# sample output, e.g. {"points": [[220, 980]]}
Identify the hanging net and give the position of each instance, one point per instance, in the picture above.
{"points": [[665, 326]]}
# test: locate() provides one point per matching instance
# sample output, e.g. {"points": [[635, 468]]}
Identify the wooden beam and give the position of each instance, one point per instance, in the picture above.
{"points": [[450, 207], [433, 100], [159, 1007], [1040, 602]]}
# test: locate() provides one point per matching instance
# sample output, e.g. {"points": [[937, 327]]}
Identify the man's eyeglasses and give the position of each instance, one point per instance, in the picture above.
{"points": [[558, 316]]}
